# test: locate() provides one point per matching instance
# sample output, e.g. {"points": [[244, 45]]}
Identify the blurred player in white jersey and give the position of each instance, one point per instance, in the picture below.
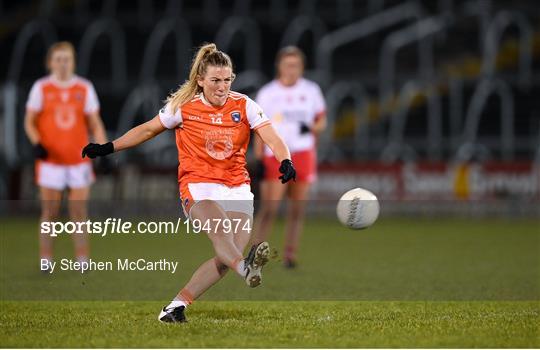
{"points": [[297, 110]]}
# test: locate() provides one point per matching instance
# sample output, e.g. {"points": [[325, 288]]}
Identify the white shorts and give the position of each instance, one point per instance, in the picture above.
{"points": [[237, 198], [58, 177]]}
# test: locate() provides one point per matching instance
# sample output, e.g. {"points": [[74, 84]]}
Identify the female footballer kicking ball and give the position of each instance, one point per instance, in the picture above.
{"points": [[61, 111], [212, 126], [297, 110]]}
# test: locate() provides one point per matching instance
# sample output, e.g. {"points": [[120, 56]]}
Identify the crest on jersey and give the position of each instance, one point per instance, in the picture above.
{"points": [[219, 143], [65, 117], [235, 116]]}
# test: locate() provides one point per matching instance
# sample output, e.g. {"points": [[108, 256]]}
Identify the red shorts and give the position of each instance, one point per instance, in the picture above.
{"points": [[305, 163]]}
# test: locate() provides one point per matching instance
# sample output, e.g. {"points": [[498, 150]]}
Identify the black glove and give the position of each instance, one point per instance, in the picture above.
{"points": [[304, 128], [287, 169], [260, 170], [93, 150], [39, 151]]}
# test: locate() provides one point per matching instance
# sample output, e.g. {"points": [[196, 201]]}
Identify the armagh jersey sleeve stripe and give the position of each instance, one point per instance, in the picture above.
{"points": [[35, 99], [92, 103], [255, 114], [213, 140], [170, 119]]}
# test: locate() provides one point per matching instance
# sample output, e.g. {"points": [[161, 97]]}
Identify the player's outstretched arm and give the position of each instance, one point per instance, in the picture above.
{"points": [[280, 150], [271, 138], [320, 123], [132, 138], [139, 134]]}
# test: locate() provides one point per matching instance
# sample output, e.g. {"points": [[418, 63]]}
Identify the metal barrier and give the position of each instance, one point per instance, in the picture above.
{"points": [[361, 29], [211, 11], [173, 8], [419, 32], [10, 101], [278, 11], [396, 147], [482, 9], [252, 35], [537, 155], [145, 98], [182, 44], [455, 111], [109, 9], [242, 8], [41, 28], [301, 24], [145, 12], [334, 98], [249, 80], [114, 31], [10, 91], [374, 6], [47, 8], [484, 89], [502, 20], [344, 9]]}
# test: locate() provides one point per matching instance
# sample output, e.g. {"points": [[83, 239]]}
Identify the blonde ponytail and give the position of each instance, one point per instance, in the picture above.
{"points": [[208, 54]]}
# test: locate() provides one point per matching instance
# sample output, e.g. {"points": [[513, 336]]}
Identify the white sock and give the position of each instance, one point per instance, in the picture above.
{"points": [[240, 268], [176, 303]]}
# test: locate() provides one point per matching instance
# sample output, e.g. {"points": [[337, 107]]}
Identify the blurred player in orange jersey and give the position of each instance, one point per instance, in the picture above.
{"points": [[61, 111], [212, 126], [297, 110]]}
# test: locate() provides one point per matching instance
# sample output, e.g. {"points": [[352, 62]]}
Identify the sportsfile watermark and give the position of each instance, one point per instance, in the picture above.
{"points": [[118, 264], [122, 226], [151, 250]]}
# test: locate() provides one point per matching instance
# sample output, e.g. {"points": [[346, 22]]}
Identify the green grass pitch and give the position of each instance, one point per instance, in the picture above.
{"points": [[402, 283]]}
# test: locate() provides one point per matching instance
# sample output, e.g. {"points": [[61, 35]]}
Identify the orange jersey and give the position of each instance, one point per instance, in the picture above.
{"points": [[212, 141], [62, 108]]}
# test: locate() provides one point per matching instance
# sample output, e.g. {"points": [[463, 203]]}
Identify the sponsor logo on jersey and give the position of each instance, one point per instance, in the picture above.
{"points": [[236, 116]]}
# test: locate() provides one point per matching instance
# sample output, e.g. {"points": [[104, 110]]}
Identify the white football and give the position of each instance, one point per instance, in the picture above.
{"points": [[358, 209]]}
